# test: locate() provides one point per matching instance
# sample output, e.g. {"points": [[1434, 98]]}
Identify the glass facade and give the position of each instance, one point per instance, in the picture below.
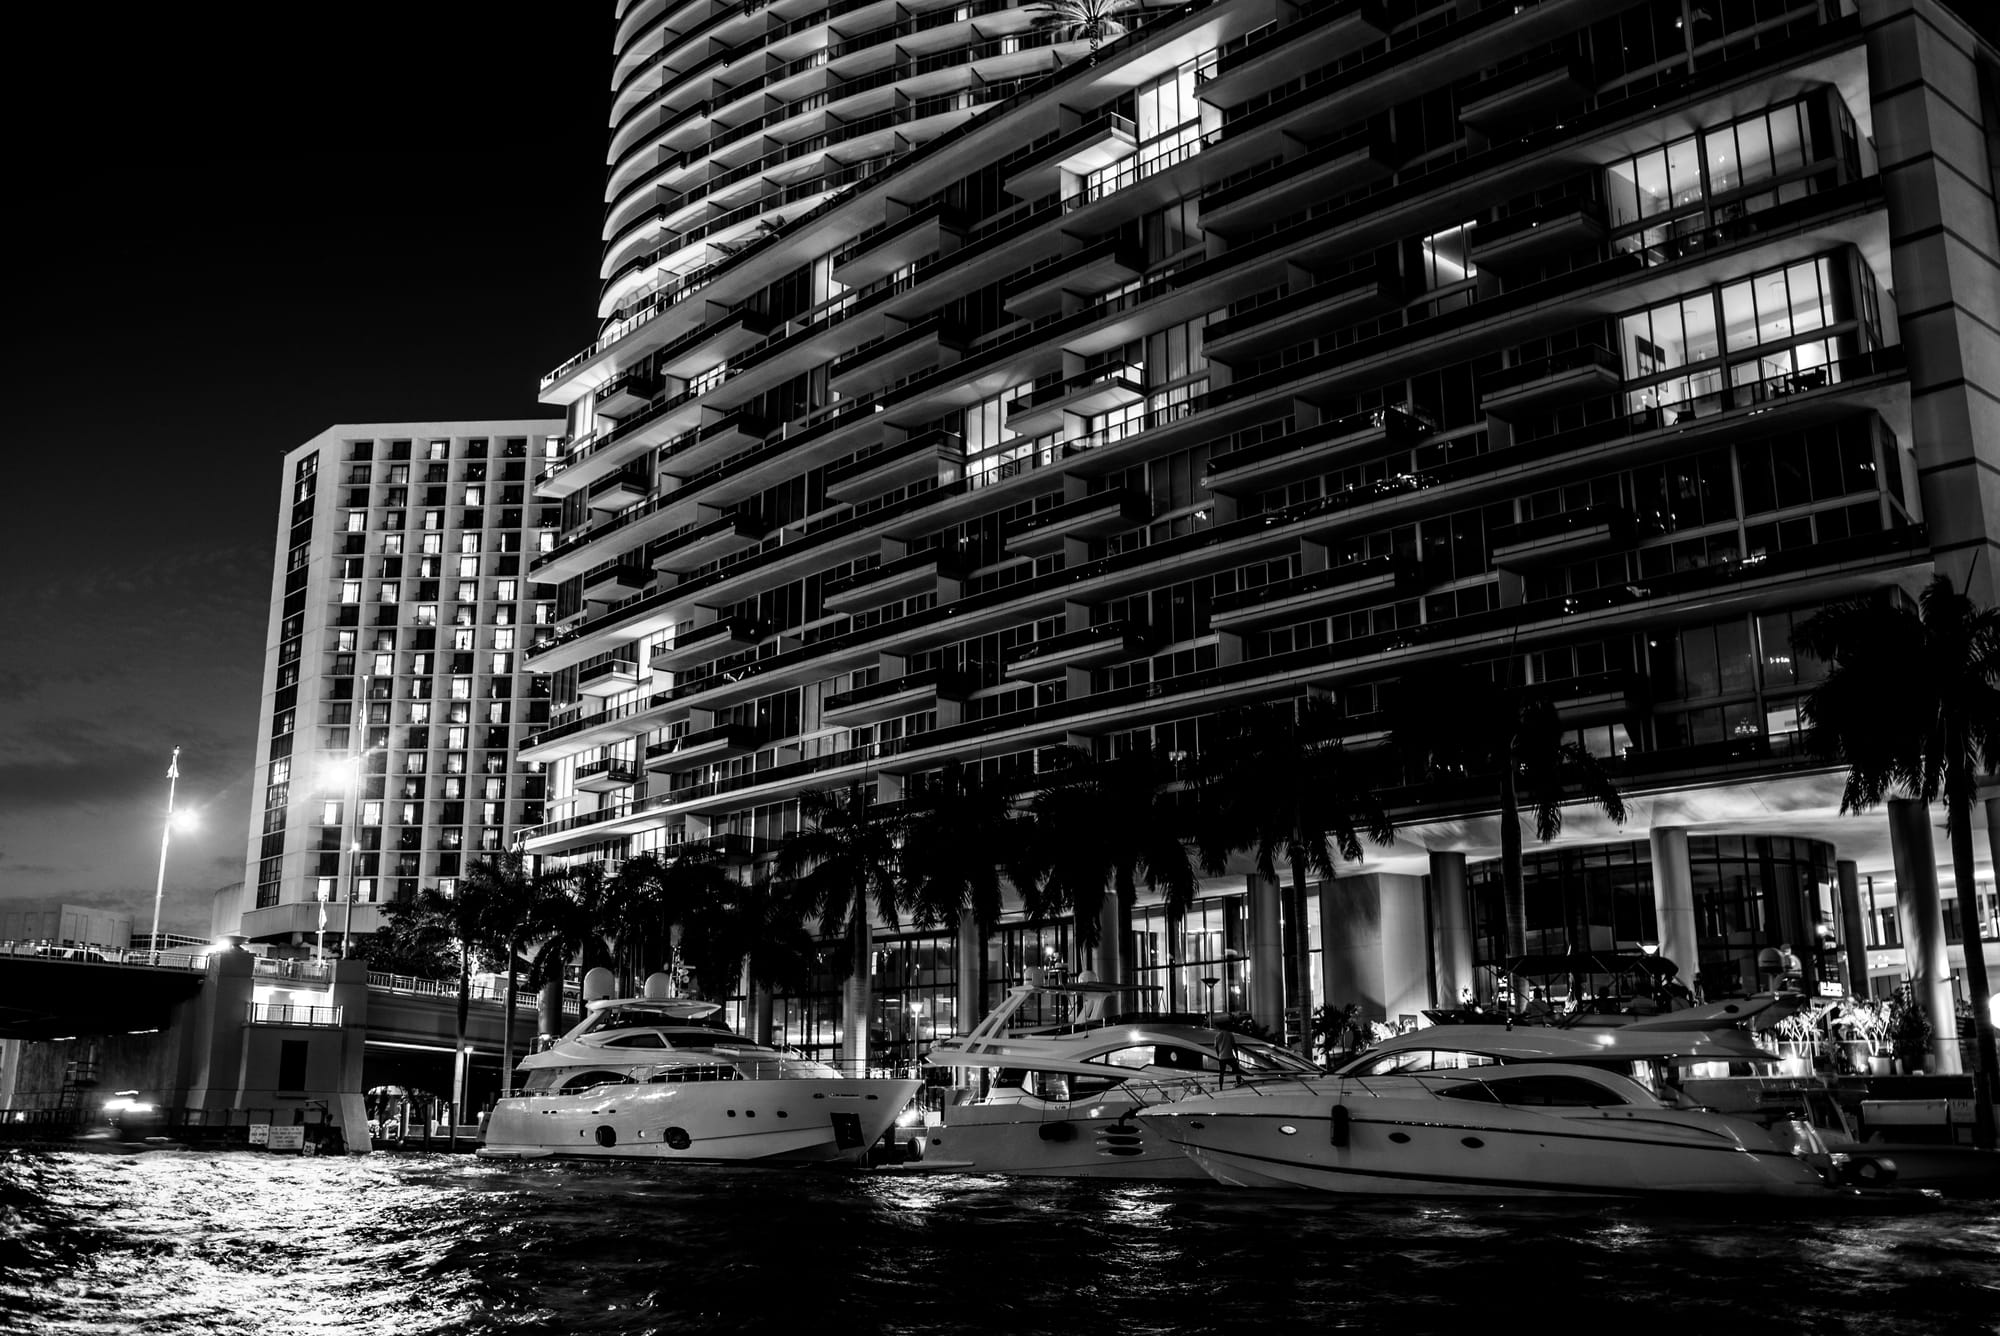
{"points": [[1751, 892]]}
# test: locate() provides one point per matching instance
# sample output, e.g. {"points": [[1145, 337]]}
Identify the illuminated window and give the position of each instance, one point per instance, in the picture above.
{"points": [[357, 521], [389, 591], [350, 591]]}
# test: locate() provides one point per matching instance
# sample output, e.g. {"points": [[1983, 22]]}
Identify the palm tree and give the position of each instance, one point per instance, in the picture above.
{"points": [[753, 934], [566, 923], [960, 832], [1093, 20], [1911, 705], [636, 919], [1099, 830], [1282, 786], [457, 922], [1460, 723], [506, 894], [845, 856]]}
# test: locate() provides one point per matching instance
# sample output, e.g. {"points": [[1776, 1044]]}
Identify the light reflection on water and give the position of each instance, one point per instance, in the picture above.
{"points": [[385, 1245]]}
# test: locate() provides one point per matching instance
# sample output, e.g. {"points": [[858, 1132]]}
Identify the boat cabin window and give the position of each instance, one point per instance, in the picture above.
{"points": [[1061, 1087], [1158, 1055], [639, 1039], [1567, 1092], [704, 1072], [540, 1079], [1417, 1060], [585, 1079]]}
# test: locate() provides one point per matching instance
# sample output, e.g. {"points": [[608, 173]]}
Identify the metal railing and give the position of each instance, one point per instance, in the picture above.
{"points": [[106, 955], [286, 1013]]}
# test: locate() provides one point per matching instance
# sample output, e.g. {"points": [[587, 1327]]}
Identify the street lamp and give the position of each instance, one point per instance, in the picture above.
{"points": [[184, 820]]}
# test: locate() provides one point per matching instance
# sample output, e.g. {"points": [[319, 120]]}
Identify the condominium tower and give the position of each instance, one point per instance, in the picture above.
{"points": [[395, 690], [971, 381]]}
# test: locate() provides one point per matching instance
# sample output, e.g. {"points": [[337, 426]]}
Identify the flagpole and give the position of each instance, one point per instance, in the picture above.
{"points": [[166, 833]]}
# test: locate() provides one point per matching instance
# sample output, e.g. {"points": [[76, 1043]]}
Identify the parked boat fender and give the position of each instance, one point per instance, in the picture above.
{"points": [[1337, 1133]]}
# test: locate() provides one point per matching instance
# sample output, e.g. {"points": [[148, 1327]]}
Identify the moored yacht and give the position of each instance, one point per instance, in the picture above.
{"points": [[1060, 1098], [660, 1078], [1523, 1130], [1494, 1110]]}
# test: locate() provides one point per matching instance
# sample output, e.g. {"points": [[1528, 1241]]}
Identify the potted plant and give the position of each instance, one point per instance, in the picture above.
{"points": [[1863, 1024], [1909, 1030]]}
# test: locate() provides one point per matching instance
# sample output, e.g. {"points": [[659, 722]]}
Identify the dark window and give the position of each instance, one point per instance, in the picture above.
{"points": [[292, 1064], [1567, 1092]]}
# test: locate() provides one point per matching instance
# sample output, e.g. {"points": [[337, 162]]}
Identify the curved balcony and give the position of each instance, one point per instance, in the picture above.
{"points": [[1315, 594], [703, 746], [606, 776], [1311, 451], [1043, 660], [912, 693], [1091, 516], [933, 456], [1549, 382], [729, 635]]}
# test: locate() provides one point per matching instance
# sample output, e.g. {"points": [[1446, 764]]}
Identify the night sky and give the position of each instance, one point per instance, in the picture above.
{"points": [[243, 225], [237, 226]]}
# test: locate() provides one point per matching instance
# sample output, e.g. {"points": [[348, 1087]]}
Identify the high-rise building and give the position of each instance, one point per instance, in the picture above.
{"points": [[973, 379], [395, 691]]}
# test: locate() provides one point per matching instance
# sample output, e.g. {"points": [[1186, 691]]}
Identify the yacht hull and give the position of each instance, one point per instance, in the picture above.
{"points": [[1476, 1151], [798, 1121], [993, 1139]]}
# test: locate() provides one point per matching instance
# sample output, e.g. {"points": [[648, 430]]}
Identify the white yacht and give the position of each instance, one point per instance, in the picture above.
{"points": [[660, 1078], [1531, 1111], [1059, 1099]]}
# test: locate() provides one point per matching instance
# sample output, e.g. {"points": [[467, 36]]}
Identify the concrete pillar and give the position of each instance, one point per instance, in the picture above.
{"points": [[1451, 926], [1267, 953], [1927, 960], [1373, 947], [971, 961], [1112, 958], [1673, 901], [1853, 926], [858, 1002]]}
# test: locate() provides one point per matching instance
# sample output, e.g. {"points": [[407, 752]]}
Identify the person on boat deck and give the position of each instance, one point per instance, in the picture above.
{"points": [[1225, 1054], [1353, 1030]]}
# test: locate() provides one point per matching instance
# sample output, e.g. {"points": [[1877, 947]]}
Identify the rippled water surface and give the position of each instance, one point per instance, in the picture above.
{"points": [[174, 1242]]}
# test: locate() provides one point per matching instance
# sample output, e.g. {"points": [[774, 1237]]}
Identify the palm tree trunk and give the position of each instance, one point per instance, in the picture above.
{"points": [[1959, 818], [1302, 953], [1514, 896], [507, 1022]]}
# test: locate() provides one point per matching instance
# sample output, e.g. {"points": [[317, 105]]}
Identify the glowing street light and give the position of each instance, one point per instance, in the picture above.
{"points": [[186, 821]]}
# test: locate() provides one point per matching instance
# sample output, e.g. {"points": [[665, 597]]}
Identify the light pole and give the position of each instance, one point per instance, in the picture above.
{"points": [[166, 833]]}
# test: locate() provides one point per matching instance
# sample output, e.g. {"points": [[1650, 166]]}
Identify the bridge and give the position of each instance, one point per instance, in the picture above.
{"points": [[201, 1031]]}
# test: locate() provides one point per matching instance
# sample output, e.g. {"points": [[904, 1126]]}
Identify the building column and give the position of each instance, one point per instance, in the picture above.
{"points": [[1853, 926], [1267, 952], [1673, 901], [858, 999], [971, 963], [1112, 958], [1927, 958], [1451, 920]]}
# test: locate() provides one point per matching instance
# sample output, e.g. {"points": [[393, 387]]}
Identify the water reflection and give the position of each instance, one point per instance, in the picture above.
{"points": [[387, 1245]]}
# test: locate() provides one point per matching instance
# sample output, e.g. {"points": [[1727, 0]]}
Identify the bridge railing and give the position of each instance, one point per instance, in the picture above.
{"points": [[480, 989], [106, 955]]}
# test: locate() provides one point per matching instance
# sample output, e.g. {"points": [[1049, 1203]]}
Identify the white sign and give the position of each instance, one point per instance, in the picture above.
{"points": [[288, 1138], [259, 1133]]}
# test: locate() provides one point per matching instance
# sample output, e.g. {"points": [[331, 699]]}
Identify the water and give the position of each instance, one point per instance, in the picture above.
{"points": [[389, 1245]]}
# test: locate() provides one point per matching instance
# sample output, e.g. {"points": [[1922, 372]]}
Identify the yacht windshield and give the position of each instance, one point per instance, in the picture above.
{"points": [[634, 1016]]}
